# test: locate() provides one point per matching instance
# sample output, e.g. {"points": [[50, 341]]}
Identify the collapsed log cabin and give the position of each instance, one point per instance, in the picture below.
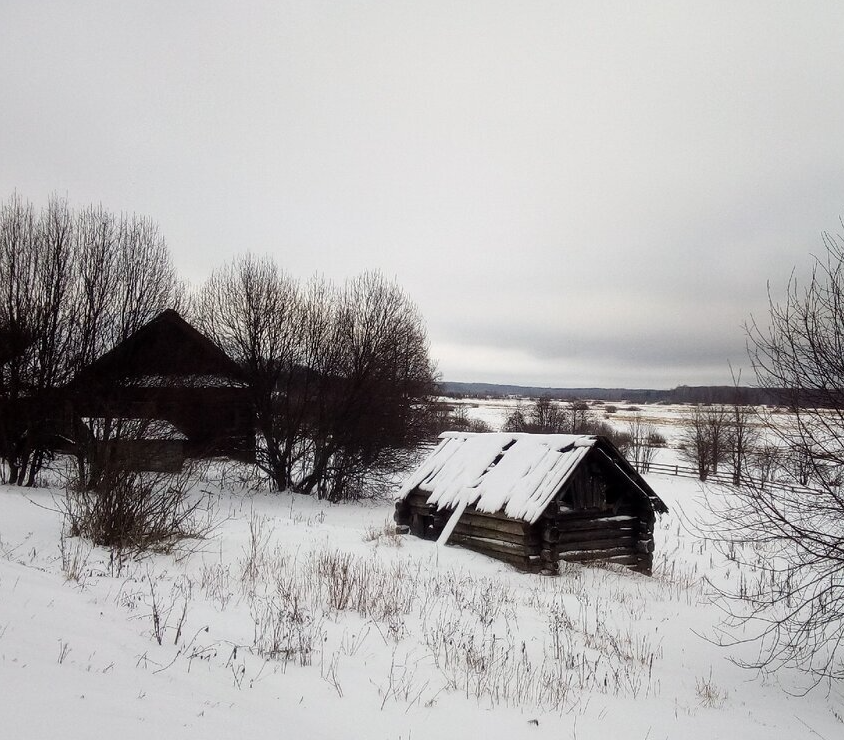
{"points": [[533, 500]]}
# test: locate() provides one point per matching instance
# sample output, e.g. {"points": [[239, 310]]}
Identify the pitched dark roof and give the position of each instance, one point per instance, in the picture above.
{"points": [[166, 346]]}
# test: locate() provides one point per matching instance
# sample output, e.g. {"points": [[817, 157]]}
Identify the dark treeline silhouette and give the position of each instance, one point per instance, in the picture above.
{"points": [[680, 394]]}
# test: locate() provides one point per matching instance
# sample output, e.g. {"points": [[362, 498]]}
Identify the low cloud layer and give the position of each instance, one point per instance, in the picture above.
{"points": [[587, 194]]}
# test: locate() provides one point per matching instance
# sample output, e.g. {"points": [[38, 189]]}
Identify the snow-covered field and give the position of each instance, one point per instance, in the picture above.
{"points": [[668, 420], [297, 618]]}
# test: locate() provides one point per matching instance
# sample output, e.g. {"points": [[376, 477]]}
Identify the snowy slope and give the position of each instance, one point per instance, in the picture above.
{"points": [[303, 619]]}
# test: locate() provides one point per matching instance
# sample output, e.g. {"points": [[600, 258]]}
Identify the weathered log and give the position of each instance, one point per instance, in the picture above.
{"points": [[570, 523], [614, 543], [557, 509], [497, 522], [471, 530], [494, 545], [582, 535], [588, 555]]}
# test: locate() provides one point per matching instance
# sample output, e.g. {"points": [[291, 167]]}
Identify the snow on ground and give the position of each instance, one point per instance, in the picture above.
{"points": [[303, 619], [668, 420]]}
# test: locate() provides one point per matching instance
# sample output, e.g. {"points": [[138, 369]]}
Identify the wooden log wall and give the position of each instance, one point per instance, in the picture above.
{"points": [[495, 535], [623, 535]]}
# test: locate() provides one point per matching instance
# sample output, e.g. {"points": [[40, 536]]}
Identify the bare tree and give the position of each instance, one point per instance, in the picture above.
{"points": [[796, 601], [544, 416], [376, 389], [253, 311], [641, 449], [36, 261], [580, 417], [71, 287], [123, 276], [340, 378], [717, 419], [696, 443], [742, 432], [457, 418], [518, 420]]}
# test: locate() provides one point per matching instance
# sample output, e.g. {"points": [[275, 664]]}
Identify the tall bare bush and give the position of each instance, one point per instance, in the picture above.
{"points": [[340, 378], [795, 607]]}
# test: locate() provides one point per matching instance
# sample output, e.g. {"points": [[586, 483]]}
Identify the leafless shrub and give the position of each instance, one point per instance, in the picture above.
{"points": [[386, 534], [284, 628], [133, 511], [458, 420], [75, 553], [709, 694]]}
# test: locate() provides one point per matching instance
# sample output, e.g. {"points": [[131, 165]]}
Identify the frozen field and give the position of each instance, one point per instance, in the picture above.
{"points": [[303, 619], [669, 420]]}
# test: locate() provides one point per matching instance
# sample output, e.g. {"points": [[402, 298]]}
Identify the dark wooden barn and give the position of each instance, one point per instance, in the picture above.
{"points": [[532, 500], [165, 393]]}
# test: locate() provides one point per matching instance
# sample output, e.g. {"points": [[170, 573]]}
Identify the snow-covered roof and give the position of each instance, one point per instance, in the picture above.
{"points": [[517, 473]]}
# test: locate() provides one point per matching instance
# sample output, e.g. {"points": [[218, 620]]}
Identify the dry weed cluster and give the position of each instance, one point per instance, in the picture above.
{"points": [[425, 630]]}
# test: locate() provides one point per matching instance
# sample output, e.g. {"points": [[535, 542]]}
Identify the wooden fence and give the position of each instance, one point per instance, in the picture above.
{"points": [[686, 471], [725, 478]]}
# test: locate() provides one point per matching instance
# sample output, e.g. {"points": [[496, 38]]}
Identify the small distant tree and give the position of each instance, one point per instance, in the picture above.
{"points": [[766, 460], [580, 418], [517, 420], [696, 443], [459, 420], [705, 442], [742, 433], [717, 421], [640, 447], [543, 416]]}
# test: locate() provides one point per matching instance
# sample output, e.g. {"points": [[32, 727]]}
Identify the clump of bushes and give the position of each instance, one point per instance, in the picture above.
{"points": [[133, 511]]}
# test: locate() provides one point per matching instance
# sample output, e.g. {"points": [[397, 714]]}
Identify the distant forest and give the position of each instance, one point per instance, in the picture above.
{"points": [[680, 394]]}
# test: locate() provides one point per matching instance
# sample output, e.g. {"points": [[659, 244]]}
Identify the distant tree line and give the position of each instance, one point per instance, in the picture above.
{"points": [[340, 375], [639, 441], [681, 394]]}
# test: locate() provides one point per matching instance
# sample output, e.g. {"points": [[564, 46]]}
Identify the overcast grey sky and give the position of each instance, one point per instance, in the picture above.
{"points": [[574, 193]]}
